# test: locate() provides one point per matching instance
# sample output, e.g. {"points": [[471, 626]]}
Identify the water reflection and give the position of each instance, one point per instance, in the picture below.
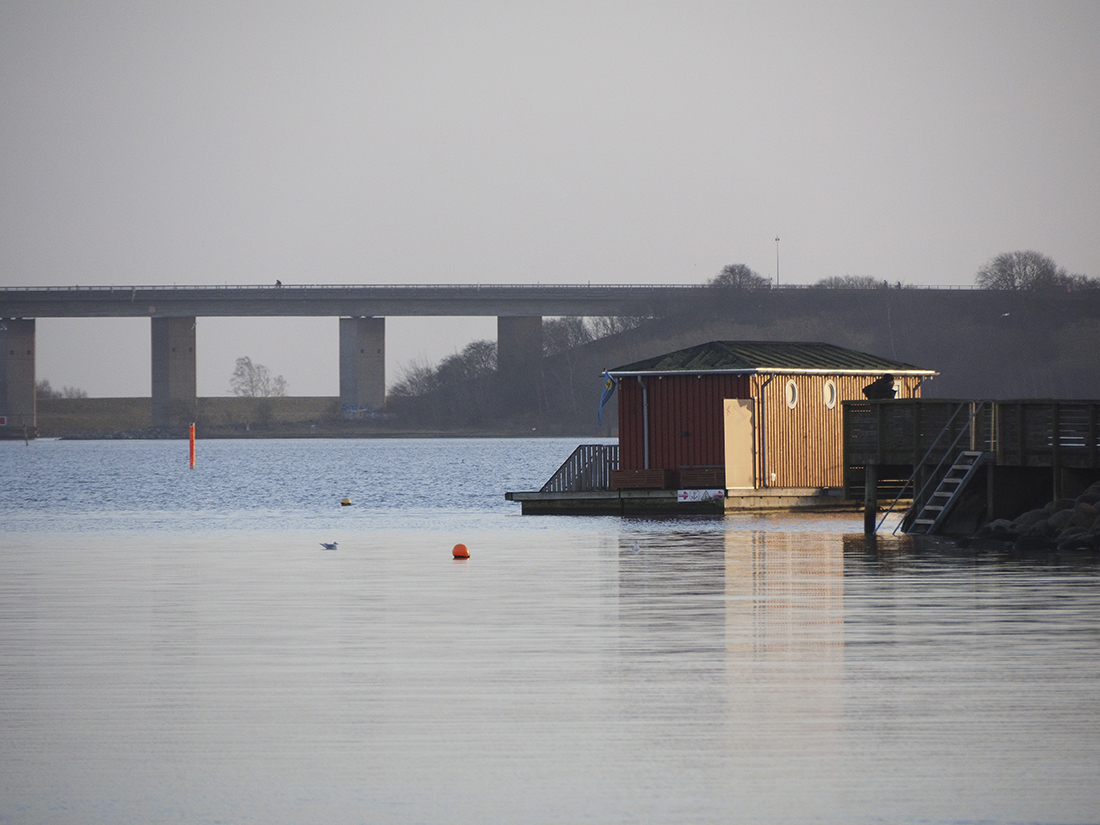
{"points": [[755, 594], [785, 595], [671, 594], [732, 645], [772, 669]]}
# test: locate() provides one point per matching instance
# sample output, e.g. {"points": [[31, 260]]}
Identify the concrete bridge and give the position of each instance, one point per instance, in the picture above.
{"points": [[362, 312]]}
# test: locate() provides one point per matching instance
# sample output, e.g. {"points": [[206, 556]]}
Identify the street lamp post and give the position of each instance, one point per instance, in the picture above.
{"points": [[777, 260]]}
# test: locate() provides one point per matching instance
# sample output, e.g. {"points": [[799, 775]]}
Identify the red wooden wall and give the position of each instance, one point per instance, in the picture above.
{"points": [[686, 426], [686, 419]]}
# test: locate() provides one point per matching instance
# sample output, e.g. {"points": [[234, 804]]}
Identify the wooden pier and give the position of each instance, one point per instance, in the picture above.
{"points": [[963, 462], [589, 482]]}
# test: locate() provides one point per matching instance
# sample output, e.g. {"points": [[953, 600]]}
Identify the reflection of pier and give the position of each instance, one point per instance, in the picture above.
{"points": [[1024, 454], [737, 592], [741, 625], [784, 594]]}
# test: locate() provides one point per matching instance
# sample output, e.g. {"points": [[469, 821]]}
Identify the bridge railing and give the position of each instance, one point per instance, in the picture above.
{"points": [[111, 288]]}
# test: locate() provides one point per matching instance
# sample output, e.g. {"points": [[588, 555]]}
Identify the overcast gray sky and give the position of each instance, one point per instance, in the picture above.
{"points": [[522, 142]]}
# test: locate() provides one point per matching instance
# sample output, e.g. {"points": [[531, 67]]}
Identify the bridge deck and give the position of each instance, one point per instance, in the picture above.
{"points": [[338, 300]]}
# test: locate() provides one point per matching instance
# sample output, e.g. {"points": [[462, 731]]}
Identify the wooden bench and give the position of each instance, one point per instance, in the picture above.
{"points": [[702, 478], [641, 479]]}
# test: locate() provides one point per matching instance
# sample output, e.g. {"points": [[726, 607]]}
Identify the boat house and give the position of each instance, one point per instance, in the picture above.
{"points": [[726, 425]]}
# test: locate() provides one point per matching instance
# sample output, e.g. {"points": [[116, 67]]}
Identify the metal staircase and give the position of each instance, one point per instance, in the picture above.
{"points": [[926, 511], [931, 513]]}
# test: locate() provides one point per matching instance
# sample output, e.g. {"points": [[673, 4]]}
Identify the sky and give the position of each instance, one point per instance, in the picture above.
{"points": [[518, 142]]}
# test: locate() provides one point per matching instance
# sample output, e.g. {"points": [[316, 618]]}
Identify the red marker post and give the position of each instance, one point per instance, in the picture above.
{"points": [[192, 451]]}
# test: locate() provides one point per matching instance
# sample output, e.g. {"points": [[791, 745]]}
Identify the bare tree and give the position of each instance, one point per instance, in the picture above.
{"points": [[1027, 269], [254, 380], [42, 389], [851, 282], [568, 332], [562, 334], [476, 359], [739, 276], [605, 325], [419, 378]]}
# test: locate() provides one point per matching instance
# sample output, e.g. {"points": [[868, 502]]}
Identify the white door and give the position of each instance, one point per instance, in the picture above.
{"points": [[739, 438]]}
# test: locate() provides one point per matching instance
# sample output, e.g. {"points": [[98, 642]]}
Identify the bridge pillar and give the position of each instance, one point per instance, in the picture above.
{"points": [[519, 357], [17, 400], [362, 363], [175, 393]]}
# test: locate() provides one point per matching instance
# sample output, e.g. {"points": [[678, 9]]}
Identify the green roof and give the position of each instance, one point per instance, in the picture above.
{"points": [[768, 356]]}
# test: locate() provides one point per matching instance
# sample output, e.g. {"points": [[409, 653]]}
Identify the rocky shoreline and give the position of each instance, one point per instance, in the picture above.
{"points": [[1068, 524]]}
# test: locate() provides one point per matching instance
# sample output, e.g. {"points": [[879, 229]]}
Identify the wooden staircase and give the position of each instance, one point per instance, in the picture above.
{"points": [[926, 517]]}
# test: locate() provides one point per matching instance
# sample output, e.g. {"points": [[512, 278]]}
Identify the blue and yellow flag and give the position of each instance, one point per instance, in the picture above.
{"points": [[608, 391]]}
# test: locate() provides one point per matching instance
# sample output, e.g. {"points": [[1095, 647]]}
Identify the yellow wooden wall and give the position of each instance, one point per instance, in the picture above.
{"points": [[803, 445]]}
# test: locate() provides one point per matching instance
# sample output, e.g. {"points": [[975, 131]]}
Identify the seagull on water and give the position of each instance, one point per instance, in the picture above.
{"points": [[328, 546]]}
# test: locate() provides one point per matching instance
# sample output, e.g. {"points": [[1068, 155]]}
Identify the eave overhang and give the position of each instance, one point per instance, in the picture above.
{"points": [[767, 371]]}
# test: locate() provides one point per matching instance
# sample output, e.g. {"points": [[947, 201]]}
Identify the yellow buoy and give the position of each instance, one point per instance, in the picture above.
{"points": [[346, 502], [461, 552]]}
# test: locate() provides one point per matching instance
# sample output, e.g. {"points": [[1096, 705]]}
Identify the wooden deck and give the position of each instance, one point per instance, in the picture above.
{"points": [[909, 432], [649, 503], [1047, 445], [589, 483]]}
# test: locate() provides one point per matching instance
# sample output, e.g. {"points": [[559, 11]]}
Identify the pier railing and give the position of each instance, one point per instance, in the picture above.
{"points": [[1029, 433], [588, 469], [901, 435]]}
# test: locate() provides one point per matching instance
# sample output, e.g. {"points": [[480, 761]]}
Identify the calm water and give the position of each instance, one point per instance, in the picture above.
{"points": [[175, 646]]}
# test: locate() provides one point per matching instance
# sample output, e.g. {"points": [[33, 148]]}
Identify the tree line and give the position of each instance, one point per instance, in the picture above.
{"points": [[478, 359], [1028, 269], [42, 389], [465, 389], [1020, 270]]}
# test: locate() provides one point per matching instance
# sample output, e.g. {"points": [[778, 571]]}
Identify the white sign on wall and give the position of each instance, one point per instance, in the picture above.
{"points": [[700, 495]]}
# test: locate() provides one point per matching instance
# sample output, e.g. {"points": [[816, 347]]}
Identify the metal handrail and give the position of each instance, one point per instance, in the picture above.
{"points": [[916, 468], [591, 464]]}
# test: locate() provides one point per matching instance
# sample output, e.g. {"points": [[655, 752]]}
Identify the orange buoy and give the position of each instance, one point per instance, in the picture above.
{"points": [[461, 551]]}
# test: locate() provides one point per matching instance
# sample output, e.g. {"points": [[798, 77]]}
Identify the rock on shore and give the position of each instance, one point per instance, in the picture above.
{"points": [[1065, 524]]}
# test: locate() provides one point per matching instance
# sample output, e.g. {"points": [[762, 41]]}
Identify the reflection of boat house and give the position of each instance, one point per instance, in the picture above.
{"points": [[758, 424]]}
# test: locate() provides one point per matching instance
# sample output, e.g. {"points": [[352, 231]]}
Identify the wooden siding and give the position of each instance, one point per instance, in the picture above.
{"points": [[686, 428], [805, 444]]}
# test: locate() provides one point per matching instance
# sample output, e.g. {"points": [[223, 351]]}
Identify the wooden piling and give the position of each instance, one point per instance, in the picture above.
{"points": [[870, 499]]}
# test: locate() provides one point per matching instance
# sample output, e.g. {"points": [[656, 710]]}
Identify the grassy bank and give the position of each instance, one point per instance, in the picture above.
{"points": [[229, 416], [232, 417]]}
